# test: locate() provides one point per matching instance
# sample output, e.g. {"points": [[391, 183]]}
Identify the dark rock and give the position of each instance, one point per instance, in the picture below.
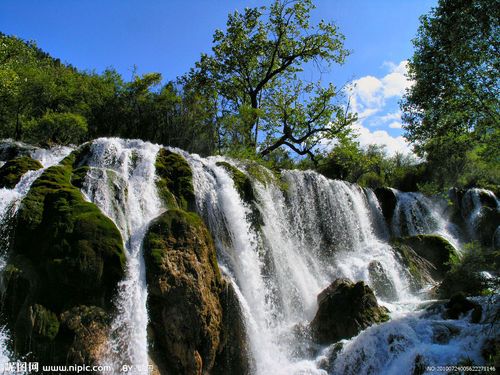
{"points": [[175, 183], [383, 286], [344, 310], [10, 150], [459, 304], [434, 249], [487, 225], [491, 351], [12, 171], [388, 201], [234, 354], [184, 284]]}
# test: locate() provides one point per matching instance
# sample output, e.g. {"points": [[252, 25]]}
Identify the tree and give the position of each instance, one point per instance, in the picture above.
{"points": [[455, 68], [256, 65]]}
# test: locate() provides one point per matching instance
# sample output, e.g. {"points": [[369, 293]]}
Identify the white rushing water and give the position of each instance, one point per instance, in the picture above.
{"points": [[10, 200], [121, 182], [417, 214], [317, 231], [301, 233]]}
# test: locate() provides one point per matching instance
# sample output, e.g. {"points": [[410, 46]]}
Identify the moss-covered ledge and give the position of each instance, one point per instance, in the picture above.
{"points": [[175, 180], [12, 171], [66, 255]]}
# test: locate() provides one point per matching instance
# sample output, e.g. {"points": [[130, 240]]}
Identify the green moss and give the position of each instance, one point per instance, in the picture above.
{"points": [[77, 249], [12, 171], [175, 183], [45, 322], [242, 182]]}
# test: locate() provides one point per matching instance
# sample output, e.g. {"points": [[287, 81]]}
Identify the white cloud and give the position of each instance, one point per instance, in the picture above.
{"points": [[369, 96], [396, 125], [381, 137]]}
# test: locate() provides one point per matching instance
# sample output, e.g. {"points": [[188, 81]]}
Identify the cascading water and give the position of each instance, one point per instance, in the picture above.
{"points": [[300, 233], [315, 232], [9, 204], [121, 182], [472, 210], [417, 214]]}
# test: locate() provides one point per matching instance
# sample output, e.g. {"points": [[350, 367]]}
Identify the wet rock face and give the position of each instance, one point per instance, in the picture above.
{"points": [[195, 317], [65, 255], [388, 202], [345, 309], [434, 249], [184, 285], [12, 171], [383, 286]]}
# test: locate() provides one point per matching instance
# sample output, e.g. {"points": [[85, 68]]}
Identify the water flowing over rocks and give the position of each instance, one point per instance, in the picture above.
{"points": [[131, 253]]}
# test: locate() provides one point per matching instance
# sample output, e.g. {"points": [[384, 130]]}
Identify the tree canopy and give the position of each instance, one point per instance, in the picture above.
{"points": [[452, 111], [255, 67]]}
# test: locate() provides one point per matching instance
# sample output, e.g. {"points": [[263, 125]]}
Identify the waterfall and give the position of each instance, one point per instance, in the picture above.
{"points": [[280, 249], [9, 204], [121, 182], [417, 214], [312, 231], [472, 210]]}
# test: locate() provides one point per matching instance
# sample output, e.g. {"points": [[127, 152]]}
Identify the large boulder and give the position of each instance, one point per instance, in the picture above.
{"points": [[12, 171], [434, 249], [65, 255], [233, 356], [184, 288], [418, 269], [345, 309]]}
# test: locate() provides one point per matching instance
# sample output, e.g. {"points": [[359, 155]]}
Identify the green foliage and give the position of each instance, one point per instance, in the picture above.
{"points": [[262, 101], [451, 113], [58, 128], [465, 273]]}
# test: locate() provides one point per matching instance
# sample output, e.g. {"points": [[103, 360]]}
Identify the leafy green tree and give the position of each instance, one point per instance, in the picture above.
{"points": [[455, 98], [255, 68], [58, 128]]}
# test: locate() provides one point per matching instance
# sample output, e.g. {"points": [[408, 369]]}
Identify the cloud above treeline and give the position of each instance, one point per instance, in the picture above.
{"points": [[372, 98]]}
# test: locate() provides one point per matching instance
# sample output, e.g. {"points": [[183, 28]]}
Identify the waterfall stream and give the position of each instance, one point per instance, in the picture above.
{"points": [[121, 182], [280, 250]]}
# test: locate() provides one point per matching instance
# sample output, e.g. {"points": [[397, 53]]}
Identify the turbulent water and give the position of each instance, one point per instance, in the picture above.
{"points": [[121, 182], [302, 232], [9, 204]]}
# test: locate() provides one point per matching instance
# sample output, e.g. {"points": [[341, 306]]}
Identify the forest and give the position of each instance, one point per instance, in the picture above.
{"points": [[246, 99]]}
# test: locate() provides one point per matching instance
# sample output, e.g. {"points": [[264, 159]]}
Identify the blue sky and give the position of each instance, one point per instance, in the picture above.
{"points": [[168, 37]]}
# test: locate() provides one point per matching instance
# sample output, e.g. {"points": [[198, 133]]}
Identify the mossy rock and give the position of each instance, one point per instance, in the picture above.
{"points": [[345, 309], [10, 150], [175, 183], [434, 249], [419, 269], [242, 182], [64, 253], [12, 171], [184, 284]]}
